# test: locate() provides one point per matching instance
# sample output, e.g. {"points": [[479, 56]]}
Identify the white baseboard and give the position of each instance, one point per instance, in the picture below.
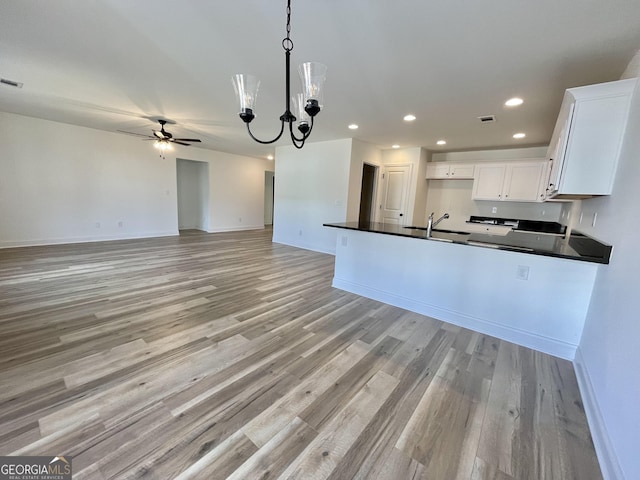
{"points": [[304, 246], [504, 332], [602, 442], [235, 228], [87, 239]]}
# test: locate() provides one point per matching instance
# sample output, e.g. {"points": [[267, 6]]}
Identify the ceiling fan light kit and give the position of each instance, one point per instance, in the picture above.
{"points": [[164, 139], [306, 105]]}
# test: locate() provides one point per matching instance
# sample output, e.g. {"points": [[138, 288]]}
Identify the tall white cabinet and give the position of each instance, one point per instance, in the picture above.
{"points": [[587, 139]]}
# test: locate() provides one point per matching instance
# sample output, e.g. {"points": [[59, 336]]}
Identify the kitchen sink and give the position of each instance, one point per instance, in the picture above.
{"points": [[457, 232], [449, 235]]}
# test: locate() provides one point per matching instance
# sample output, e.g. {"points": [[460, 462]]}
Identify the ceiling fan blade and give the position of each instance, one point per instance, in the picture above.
{"points": [[135, 134], [180, 143], [188, 139]]}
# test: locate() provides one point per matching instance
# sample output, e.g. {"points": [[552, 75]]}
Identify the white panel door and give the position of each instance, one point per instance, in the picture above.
{"points": [[395, 194]]}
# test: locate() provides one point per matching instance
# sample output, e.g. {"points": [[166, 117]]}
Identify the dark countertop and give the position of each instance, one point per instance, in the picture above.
{"points": [[577, 247]]}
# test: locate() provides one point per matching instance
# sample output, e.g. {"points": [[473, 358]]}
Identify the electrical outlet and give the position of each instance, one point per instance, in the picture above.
{"points": [[494, 210], [239, 219], [344, 241], [120, 224], [300, 232], [97, 224], [522, 272]]}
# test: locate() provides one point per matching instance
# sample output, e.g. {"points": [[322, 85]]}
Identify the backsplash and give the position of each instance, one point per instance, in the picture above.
{"points": [[454, 197]]}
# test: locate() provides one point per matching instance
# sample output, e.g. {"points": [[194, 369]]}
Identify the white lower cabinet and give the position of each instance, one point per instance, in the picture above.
{"points": [[511, 182]]}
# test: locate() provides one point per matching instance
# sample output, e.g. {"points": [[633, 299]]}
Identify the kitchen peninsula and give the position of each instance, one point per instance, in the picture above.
{"points": [[535, 295]]}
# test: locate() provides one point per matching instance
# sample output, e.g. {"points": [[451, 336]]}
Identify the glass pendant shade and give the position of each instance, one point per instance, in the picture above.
{"points": [[302, 116], [246, 88], [313, 75]]}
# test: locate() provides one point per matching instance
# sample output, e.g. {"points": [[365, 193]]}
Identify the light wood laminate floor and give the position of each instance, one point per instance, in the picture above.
{"points": [[215, 356]]}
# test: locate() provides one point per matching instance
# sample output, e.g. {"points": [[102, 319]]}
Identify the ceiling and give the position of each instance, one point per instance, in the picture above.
{"points": [[113, 64]]}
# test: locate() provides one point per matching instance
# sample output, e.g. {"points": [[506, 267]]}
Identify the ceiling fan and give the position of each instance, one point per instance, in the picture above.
{"points": [[163, 138]]}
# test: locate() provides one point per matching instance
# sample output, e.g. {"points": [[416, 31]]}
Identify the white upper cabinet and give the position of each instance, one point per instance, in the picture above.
{"points": [[511, 181], [489, 181], [444, 171], [524, 182], [587, 139]]}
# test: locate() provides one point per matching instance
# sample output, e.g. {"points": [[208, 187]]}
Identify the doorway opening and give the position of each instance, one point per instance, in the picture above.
{"points": [[269, 189], [193, 195], [368, 193]]}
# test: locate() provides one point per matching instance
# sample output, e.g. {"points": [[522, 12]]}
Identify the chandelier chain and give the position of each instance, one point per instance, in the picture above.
{"points": [[287, 43]]}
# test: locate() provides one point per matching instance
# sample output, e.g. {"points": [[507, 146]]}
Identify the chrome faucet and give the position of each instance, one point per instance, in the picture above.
{"points": [[431, 223]]}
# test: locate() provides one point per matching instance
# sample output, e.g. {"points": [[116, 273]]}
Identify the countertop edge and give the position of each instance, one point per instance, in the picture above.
{"points": [[580, 257]]}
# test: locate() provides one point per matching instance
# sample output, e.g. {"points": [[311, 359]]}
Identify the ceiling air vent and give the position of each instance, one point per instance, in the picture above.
{"points": [[10, 83], [487, 119]]}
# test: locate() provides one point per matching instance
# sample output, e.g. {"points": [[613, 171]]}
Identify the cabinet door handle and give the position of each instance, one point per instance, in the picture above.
{"points": [[506, 196]]}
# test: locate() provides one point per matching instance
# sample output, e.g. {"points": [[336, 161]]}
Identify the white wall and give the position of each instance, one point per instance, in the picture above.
{"points": [[61, 183], [236, 189], [608, 359], [633, 68], [312, 188], [490, 155], [420, 213], [193, 194]]}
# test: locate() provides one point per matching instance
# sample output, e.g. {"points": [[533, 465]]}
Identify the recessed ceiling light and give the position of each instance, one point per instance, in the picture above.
{"points": [[409, 118], [441, 142], [395, 146], [353, 126], [519, 135], [514, 102], [269, 157]]}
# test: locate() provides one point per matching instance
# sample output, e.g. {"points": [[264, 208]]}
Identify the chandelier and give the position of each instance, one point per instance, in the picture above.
{"points": [[306, 105]]}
